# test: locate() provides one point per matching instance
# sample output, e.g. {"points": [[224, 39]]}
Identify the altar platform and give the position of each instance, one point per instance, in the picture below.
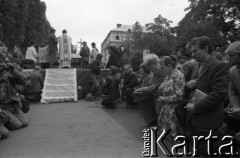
{"points": [[83, 78]]}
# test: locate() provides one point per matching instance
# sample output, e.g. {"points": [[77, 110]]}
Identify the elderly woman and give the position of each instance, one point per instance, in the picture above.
{"points": [[170, 95], [144, 96]]}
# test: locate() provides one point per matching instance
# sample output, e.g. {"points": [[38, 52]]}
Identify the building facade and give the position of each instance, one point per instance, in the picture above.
{"points": [[115, 37]]}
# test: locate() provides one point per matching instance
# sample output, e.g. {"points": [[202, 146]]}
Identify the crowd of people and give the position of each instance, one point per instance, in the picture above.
{"points": [[167, 92], [12, 115], [14, 83], [53, 49], [164, 89]]}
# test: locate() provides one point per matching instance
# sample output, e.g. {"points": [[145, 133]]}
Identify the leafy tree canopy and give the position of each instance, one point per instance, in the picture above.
{"points": [[217, 19], [158, 37], [22, 21]]}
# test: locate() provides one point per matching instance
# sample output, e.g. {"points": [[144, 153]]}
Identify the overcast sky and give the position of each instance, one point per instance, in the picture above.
{"points": [[91, 20]]}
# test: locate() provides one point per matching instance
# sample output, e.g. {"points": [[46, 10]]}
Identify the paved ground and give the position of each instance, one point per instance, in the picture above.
{"points": [[77, 130]]}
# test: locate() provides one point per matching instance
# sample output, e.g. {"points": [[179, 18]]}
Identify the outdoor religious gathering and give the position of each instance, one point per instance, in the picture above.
{"points": [[119, 79]]}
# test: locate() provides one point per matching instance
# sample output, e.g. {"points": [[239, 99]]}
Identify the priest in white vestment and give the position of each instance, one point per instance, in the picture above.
{"points": [[65, 50]]}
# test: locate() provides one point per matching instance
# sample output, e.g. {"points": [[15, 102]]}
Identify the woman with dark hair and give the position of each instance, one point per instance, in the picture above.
{"points": [[31, 52], [170, 93]]}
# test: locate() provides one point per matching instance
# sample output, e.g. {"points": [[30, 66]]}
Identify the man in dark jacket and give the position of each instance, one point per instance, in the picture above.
{"points": [[129, 83], [85, 52], [211, 78], [36, 79], [145, 96], [110, 88], [52, 42], [96, 66]]}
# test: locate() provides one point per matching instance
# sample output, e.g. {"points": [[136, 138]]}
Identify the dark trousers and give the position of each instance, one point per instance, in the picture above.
{"points": [[202, 145], [94, 85], [147, 107], [52, 54], [85, 64], [232, 122], [44, 65], [129, 96], [202, 149]]}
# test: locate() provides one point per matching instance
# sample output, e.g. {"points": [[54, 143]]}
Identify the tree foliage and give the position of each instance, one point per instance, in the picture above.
{"points": [[158, 37], [217, 19], [161, 36], [137, 59], [22, 21], [137, 35]]}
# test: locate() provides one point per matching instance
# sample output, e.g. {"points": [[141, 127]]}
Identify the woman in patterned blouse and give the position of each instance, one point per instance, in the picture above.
{"points": [[170, 93]]}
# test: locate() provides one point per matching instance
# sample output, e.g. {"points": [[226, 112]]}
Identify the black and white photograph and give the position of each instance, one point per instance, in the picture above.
{"points": [[119, 78]]}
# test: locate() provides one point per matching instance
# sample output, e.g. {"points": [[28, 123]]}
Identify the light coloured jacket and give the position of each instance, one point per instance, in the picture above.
{"points": [[93, 55], [31, 53]]}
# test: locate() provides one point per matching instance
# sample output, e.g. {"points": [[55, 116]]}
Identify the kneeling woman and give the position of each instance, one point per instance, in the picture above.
{"points": [[170, 93]]}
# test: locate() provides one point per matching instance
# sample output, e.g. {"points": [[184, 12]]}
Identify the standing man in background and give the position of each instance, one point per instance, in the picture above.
{"points": [[93, 53], [85, 52], [65, 49], [52, 42]]}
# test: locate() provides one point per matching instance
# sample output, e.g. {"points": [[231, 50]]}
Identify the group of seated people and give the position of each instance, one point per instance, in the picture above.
{"points": [[120, 85]]}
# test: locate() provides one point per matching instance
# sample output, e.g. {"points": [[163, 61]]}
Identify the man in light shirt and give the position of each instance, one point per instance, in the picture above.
{"points": [[93, 53]]}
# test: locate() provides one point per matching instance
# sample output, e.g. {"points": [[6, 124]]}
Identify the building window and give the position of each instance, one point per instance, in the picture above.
{"points": [[117, 36]]}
